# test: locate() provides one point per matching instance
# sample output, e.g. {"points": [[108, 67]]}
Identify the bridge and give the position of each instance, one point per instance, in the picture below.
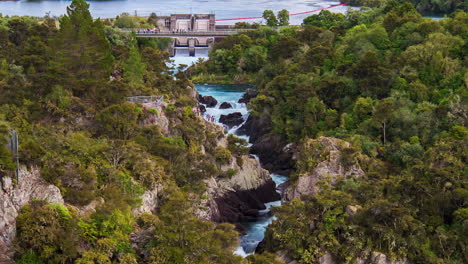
{"points": [[188, 39], [188, 34], [196, 30]]}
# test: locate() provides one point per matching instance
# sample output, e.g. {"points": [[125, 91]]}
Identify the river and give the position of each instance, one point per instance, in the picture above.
{"points": [[222, 8], [254, 231]]}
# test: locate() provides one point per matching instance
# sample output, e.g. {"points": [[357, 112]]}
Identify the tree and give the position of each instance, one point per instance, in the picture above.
{"points": [[119, 121], [46, 231], [283, 17], [325, 19], [134, 68], [270, 18], [125, 20], [153, 19], [383, 114], [82, 55]]}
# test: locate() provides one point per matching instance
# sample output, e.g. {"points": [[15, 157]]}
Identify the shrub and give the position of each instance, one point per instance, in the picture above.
{"points": [[153, 111], [223, 155], [229, 173]]}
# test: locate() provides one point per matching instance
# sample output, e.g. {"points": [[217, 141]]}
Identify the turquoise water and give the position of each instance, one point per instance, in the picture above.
{"points": [[254, 231], [225, 93]]}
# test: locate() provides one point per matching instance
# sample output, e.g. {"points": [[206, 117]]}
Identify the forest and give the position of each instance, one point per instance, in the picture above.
{"points": [[387, 80], [63, 90], [394, 85]]}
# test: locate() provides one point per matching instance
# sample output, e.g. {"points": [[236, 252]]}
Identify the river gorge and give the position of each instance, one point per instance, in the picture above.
{"points": [[253, 230]]}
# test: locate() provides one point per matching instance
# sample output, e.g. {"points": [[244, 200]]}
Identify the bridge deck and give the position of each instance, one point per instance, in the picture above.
{"points": [[186, 34]]}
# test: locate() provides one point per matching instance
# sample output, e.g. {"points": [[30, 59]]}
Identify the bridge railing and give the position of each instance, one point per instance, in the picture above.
{"points": [[221, 32]]}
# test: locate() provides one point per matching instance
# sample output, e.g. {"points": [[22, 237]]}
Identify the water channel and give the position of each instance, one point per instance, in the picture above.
{"points": [[254, 231]]}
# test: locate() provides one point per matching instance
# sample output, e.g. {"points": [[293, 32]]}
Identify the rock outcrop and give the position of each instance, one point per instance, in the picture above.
{"points": [[270, 148], [249, 94], [225, 105], [231, 120], [156, 116], [366, 258], [209, 101], [149, 201], [322, 159], [14, 196], [240, 197]]}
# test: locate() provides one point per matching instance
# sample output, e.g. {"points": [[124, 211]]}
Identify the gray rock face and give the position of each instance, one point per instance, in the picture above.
{"points": [[329, 166], [250, 180], [149, 201], [14, 196], [159, 118], [373, 258]]}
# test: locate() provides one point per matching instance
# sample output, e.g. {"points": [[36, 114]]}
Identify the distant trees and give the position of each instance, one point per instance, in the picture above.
{"points": [[273, 21], [6, 157], [270, 18], [325, 19], [134, 68], [125, 20], [153, 19], [283, 18]]}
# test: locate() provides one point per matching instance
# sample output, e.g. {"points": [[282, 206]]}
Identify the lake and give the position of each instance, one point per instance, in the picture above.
{"points": [[222, 8]]}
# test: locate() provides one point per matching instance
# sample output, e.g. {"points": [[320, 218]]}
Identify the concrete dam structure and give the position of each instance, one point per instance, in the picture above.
{"points": [[188, 31]]}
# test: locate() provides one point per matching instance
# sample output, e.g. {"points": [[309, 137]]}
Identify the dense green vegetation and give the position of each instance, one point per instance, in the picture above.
{"points": [[424, 6], [387, 80], [64, 91], [392, 83]]}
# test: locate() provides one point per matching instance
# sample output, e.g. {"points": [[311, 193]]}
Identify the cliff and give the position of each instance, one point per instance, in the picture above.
{"points": [[232, 199], [240, 197], [14, 196], [322, 159]]}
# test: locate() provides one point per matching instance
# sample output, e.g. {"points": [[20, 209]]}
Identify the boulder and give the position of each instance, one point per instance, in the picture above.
{"points": [[231, 120], [209, 101], [249, 94], [225, 105]]}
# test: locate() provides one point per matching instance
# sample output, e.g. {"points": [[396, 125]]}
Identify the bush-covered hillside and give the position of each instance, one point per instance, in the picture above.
{"points": [[64, 91], [394, 85]]}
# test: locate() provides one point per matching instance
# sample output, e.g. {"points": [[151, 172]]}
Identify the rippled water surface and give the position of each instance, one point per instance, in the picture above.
{"points": [[222, 8]]}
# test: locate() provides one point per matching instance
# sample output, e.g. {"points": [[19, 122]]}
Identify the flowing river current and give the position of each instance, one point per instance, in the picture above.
{"points": [[254, 231]]}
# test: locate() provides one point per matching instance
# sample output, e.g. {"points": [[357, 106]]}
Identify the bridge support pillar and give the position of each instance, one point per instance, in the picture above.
{"points": [[191, 44]]}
